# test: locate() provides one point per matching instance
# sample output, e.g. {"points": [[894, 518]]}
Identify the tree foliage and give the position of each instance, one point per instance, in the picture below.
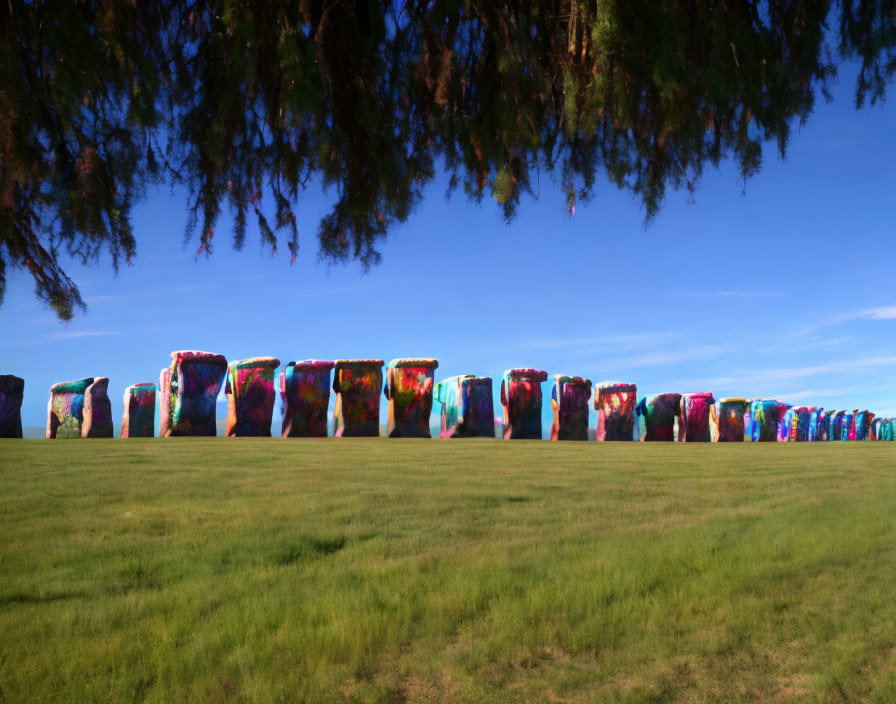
{"points": [[245, 101]]}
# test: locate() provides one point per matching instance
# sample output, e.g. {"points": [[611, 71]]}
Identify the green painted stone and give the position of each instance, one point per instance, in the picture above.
{"points": [[69, 428]]}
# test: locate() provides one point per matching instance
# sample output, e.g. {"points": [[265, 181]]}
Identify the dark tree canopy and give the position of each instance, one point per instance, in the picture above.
{"points": [[245, 101]]}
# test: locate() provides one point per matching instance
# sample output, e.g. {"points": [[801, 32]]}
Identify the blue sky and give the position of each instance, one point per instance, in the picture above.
{"points": [[785, 290]]}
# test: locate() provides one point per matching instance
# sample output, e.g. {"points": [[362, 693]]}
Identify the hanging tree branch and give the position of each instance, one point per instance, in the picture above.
{"points": [[102, 99]]}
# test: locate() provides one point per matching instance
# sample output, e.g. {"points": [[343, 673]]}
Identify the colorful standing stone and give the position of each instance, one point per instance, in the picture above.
{"points": [[305, 396], [835, 426], [97, 421], [730, 426], [697, 413], [250, 397], [521, 398], [783, 422], [569, 401], [804, 419], [139, 417], [409, 387], [818, 425], [357, 383], [847, 426], [888, 430], [656, 417], [765, 416], [189, 389], [796, 422], [12, 389], [65, 409], [467, 406], [615, 405], [862, 423]]}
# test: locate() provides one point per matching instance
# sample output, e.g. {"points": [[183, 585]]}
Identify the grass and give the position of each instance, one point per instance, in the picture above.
{"points": [[379, 570]]}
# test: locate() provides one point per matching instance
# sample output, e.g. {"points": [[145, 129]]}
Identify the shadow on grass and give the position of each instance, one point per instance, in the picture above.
{"points": [[307, 547], [25, 599]]}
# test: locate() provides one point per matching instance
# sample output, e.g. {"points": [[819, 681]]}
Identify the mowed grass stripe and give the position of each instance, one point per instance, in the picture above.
{"points": [[374, 570]]}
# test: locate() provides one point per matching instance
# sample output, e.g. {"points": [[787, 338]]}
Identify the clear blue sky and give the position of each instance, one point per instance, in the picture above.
{"points": [[786, 290]]}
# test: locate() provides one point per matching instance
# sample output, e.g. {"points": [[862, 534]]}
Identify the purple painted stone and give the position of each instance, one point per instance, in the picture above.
{"points": [[97, 410], [12, 388], [305, 394], [250, 397], [139, 418], [189, 390]]}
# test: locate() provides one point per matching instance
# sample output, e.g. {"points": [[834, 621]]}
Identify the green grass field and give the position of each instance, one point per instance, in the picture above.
{"points": [[446, 571]]}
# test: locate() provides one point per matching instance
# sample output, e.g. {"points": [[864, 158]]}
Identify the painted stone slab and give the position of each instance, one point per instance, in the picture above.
{"points": [[847, 426], [730, 419], [467, 406], [835, 426], [569, 401], [409, 388], [305, 397], [166, 402], [697, 412], [189, 389], [139, 417], [818, 425], [796, 421], [12, 390], [357, 383], [615, 405], [783, 424], [803, 421], [862, 423], [656, 417], [97, 421], [521, 398], [888, 430], [65, 409], [250, 397], [765, 416]]}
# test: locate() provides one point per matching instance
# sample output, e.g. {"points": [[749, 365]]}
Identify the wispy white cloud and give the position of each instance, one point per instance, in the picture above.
{"points": [[20, 343], [361, 287], [74, 334], [706, 382], [619, 341], [659, 358], [726, 293], [879, 313], [30, 304], [811, 395], [864, 365], [769, 381], [153, 292], [828, 342], [826, 145], [61, 335], [800, 345], [250, 279], [882, 313]]}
